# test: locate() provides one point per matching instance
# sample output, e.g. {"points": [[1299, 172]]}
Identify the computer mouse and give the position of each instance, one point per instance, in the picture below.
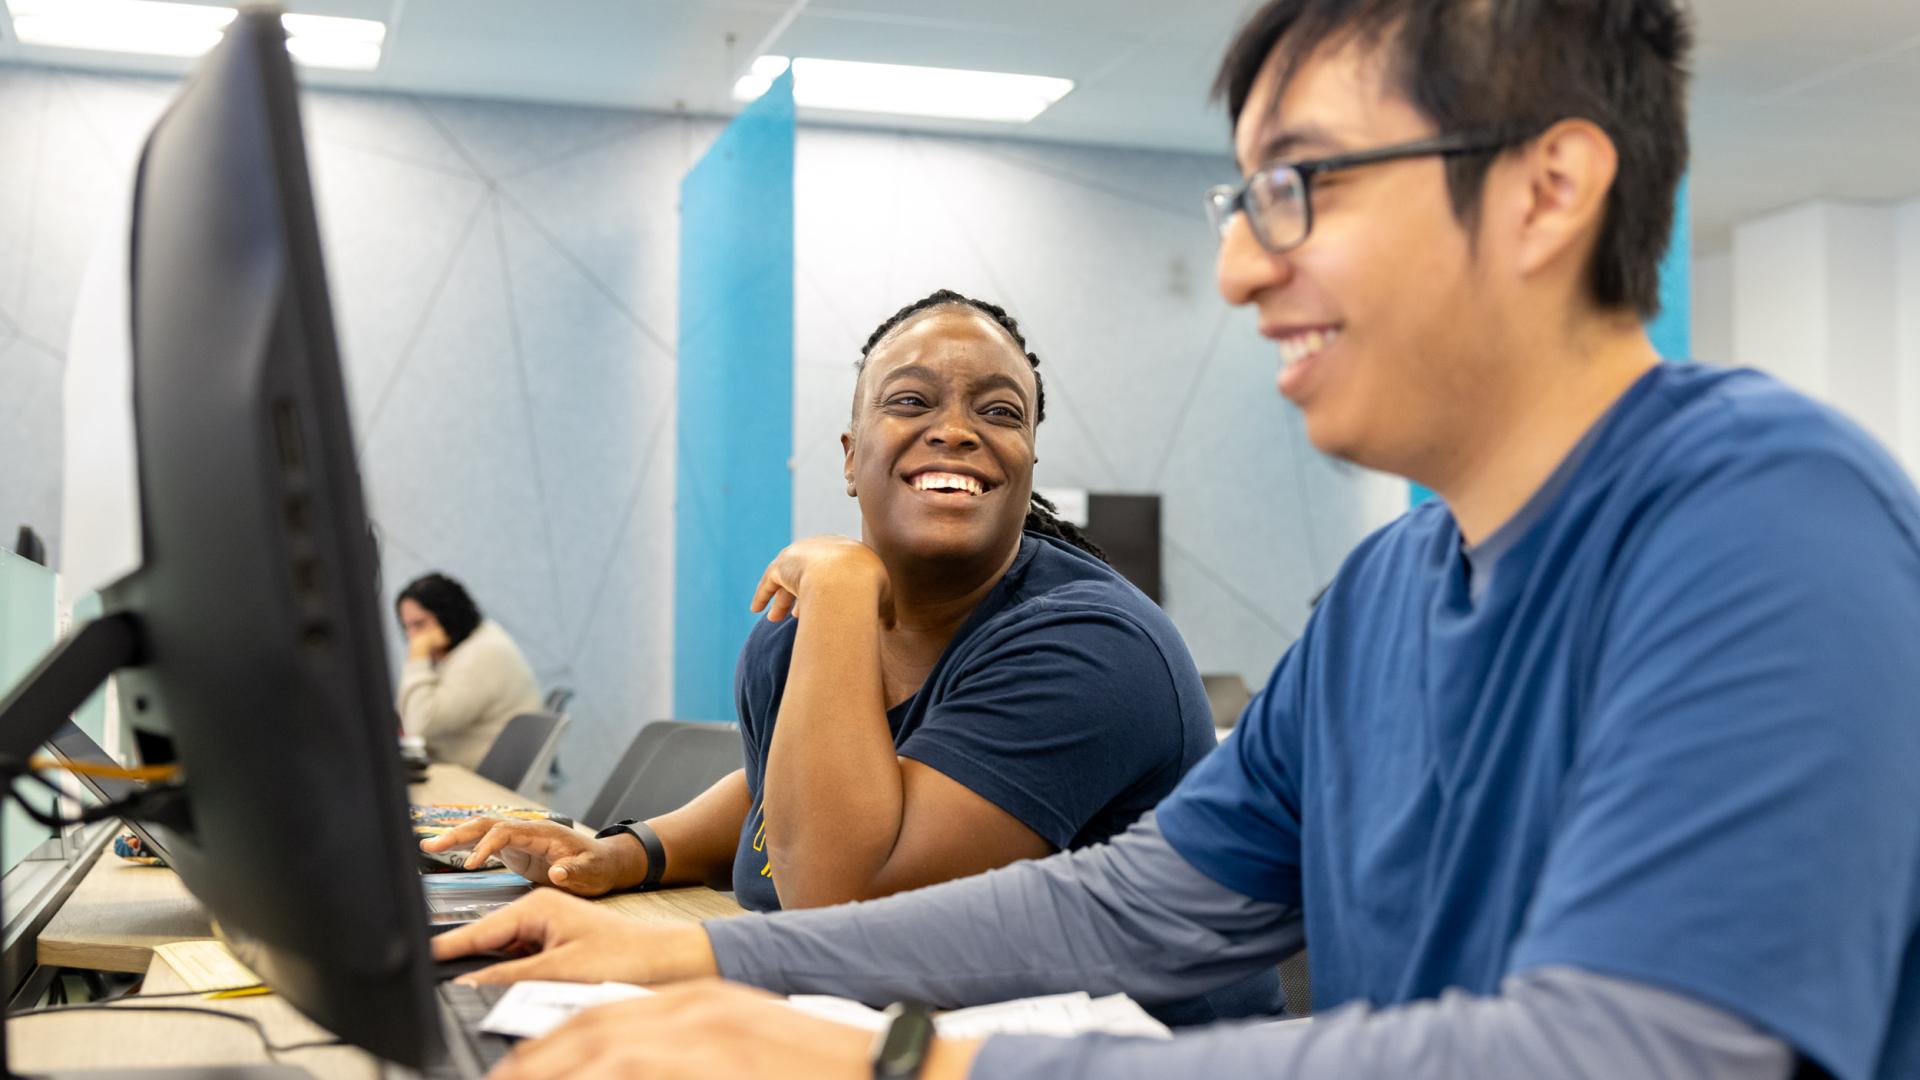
{"points": [[446, 970], [433, 862]]}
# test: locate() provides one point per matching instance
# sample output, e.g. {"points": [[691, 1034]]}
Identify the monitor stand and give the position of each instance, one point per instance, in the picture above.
{"points": [[29, 716]]}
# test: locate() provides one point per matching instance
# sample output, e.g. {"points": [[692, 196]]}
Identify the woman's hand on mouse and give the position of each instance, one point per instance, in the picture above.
{"points": [[548, 852]]}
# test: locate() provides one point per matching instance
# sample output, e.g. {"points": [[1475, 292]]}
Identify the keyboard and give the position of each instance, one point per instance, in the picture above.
{"points": [[470, 1052]]}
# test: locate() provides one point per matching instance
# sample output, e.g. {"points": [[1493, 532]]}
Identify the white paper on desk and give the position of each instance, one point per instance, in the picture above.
{"points": [[207, 966], [530, 1009], [1054, 1014], [533, 1008]]}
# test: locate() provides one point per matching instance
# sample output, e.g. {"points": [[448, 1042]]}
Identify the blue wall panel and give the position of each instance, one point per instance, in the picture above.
{"points": [[733, 504], [1672, 330]]}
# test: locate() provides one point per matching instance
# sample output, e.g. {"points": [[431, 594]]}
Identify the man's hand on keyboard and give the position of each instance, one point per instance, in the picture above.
{"points": [[569, 940], [707, 1029], [547, 852]]}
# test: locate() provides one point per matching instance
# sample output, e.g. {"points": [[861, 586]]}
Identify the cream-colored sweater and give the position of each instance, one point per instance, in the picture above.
{"points": [[460, 704]]}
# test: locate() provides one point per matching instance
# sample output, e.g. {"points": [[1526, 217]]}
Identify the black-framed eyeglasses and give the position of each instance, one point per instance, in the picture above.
{"points": [[1277, 198]]}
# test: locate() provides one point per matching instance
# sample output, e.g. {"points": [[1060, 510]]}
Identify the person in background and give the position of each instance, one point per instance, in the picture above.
{"points": [[464, 677], [1600, 765], [967, 685]]}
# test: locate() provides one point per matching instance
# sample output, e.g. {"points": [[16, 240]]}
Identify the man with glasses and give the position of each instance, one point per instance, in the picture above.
{"points": [[1604, 765]]}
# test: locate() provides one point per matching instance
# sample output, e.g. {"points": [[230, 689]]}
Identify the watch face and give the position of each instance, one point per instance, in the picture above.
{"points": [[903, 1048]]}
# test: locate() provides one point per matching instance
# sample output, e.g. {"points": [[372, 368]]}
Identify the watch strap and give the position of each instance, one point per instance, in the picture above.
{"points": [[649, 840], [900, 1049]]}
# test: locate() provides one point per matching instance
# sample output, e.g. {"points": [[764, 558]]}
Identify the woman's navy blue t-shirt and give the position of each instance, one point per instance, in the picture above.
{"points": [[1067, 699]]}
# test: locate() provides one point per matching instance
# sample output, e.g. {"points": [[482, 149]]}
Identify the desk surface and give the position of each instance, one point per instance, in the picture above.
{"points": [[97, 1040], [120, 912]]}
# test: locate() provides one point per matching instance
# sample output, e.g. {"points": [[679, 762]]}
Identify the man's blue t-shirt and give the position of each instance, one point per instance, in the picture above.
{"points": [[1067, 699], [1676, 740]]}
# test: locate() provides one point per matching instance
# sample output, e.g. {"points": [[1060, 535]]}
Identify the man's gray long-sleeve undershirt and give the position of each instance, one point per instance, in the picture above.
{"points": [[1133, 916]]}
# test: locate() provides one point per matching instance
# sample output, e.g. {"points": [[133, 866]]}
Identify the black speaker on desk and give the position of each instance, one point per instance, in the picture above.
{"points": [[1127, 528]]}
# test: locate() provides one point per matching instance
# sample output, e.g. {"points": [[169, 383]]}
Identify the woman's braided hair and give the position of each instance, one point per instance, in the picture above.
{"points": [[1042, 516]]}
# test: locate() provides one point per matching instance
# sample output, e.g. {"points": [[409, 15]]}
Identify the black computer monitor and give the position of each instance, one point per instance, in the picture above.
{"points": [[1127, 528], [247, 647]]}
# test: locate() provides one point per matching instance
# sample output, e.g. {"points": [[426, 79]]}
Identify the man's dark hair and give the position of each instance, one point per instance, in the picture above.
{"points": [[1042, 516], [446, 600], [1515, 67]]}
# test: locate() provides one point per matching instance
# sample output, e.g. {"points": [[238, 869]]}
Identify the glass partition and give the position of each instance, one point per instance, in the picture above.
{"points": [[26, 633]]}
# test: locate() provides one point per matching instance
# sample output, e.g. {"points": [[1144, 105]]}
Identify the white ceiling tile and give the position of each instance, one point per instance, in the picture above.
{"points": [[1854, 26], [352, 9], [1058, 19], [978, 48], [654, 54], [1825, 91], [1731, 73], [1887, 89]]}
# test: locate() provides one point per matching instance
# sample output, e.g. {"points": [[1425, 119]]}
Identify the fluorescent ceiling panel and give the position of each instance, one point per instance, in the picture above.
{"points": [[900, 89], [156, 28]]}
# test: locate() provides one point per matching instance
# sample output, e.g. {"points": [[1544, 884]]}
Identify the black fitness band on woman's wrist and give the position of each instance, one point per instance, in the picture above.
{"points": [[650, 840]]}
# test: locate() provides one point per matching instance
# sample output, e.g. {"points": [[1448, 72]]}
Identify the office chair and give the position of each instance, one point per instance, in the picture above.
{"points": [[1227, 695], [521, 752], [666, 765], [30, 547], [1296, 984], [556, 703]]}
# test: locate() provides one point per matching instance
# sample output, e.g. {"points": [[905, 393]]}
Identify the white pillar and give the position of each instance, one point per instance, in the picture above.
{"points": [[1815, 304], [1713, 309]]}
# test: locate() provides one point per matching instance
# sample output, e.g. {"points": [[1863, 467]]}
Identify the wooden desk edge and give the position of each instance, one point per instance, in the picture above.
{"points": [[73, 936]]}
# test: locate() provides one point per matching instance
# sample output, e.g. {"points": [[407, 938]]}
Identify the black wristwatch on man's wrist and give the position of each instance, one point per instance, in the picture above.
{"points": [[900, 1049], [649, 840]]}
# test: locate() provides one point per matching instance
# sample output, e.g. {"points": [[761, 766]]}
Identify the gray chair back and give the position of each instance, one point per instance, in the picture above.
{"points": [[667, 764], [520, 754], [1227, 697], [1297, 984]]}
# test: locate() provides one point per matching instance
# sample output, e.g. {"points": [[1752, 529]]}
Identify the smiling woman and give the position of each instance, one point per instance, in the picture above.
{"points": [[983, 743], [966, 685], [894, 393], [969, 683]]}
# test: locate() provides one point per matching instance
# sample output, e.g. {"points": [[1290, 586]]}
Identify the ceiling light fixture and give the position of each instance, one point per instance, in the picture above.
{"points": [[901, 89], [158, 28]]}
